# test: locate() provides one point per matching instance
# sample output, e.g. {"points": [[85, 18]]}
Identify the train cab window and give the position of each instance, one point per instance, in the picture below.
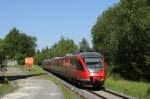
{"points": [[77, 64], [94, 64]]}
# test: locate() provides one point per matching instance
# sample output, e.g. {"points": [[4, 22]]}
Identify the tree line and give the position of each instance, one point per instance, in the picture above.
{"points": [[63, 47], [17, 45], [122, 34]]}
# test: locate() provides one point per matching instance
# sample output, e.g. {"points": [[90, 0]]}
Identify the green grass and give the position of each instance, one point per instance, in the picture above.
{"points": [[140, 90], [5, 88], [36, 70]]}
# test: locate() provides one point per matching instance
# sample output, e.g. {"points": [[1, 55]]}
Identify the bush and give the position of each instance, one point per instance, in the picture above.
{"points": [[148, 94], [117, 77]]}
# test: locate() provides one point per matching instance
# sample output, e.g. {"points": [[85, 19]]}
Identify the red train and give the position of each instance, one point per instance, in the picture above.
{"points": [[86, 68]]}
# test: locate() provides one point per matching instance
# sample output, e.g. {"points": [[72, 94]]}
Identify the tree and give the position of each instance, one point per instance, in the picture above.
{"points": [[38, 57], [2, 54], [122, 34], [19, 45], [11, 42], [63, 47], [84, 45], [60, 48]]}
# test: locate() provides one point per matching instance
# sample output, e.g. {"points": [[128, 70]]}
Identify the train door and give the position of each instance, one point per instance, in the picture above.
{"points": [[73, 69], [78, 69]]}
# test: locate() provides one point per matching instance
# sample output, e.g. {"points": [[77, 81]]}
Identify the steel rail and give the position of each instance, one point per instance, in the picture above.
{"points": [[116, 94], [98, 95]]}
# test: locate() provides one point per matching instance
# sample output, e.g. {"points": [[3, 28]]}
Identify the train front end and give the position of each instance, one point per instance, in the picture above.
{"points": [[95, 69]]}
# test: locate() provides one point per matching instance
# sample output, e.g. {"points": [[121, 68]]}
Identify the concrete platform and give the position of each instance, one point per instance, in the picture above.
{"points": [[34, 88]]}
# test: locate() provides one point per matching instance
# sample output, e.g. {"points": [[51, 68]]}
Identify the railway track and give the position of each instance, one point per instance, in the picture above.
{"points": [[108, 94], [98, 95], [90, 94]]}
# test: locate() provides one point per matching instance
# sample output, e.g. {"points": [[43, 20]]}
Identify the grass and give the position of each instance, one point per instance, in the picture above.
{"points": [[140, 90], [36, 70], [5, 88]]}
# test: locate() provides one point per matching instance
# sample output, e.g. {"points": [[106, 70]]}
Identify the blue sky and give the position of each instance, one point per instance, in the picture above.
{"points": [[48, 20]]}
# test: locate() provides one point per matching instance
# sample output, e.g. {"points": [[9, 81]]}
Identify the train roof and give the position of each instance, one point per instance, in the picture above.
{"points": [[90, 54], [78, 53]]}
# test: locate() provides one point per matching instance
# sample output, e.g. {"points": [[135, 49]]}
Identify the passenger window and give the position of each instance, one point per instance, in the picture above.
{"points": [[60, 62], [66, 60], [71, 61]]}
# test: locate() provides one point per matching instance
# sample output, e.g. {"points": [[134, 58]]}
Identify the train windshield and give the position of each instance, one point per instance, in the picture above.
{"points": [[93, 64]]}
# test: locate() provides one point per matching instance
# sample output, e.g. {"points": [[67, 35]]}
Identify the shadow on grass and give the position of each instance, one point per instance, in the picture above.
{"points": [[16, 77]]}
